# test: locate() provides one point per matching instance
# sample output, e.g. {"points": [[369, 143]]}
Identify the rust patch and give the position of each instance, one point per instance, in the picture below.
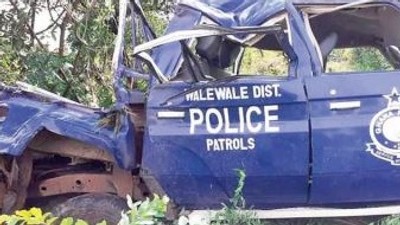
{"points": [[48, 142], [119, 182], [17, 182], [3, 112]]}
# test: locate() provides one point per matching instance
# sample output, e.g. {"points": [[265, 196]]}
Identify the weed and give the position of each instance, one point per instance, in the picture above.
{"points": [[146, 212], [234, 213]]}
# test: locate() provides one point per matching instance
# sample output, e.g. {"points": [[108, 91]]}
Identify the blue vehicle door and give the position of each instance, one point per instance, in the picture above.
{"points": [[355, 107], [199, 134]]}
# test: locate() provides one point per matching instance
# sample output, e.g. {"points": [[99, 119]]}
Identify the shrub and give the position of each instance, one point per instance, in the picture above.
{"points": [[35, 216], [147, 212], [234, 213]]}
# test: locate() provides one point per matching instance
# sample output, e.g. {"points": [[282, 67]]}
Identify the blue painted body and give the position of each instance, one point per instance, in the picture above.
{"points": [[343, 171], [275, 176], [29, 113], [317, 157]]}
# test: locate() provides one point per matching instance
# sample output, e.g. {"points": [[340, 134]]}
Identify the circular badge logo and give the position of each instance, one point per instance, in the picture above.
{"points": [[385, 130]]}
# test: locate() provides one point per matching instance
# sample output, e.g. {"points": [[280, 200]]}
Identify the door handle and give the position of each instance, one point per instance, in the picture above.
{"points": [[344, 105], [170, 115]]}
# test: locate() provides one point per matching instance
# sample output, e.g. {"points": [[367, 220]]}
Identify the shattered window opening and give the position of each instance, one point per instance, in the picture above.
{"points": [[217, 57], [349, 38]]}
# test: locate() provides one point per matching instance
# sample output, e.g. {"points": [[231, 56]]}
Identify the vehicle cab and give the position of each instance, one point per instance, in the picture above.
{"points": [[354, 102], [265, 87]]}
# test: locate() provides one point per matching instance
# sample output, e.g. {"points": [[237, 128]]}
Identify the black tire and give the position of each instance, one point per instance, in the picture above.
{"points": [[93, 208]]}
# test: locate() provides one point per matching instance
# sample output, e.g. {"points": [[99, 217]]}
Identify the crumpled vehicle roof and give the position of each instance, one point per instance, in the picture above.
{"points": [[230, 13], [226, 13]]}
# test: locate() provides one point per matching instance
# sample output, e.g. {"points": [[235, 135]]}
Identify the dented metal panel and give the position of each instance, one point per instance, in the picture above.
{"points": [[28, 113]]}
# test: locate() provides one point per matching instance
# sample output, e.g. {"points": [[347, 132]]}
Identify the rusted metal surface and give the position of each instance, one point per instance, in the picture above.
{"points": [[140, 191], [74, 183], [6, 200], [24, 164], [48, 142], [138, 116], [119, 182], [13, 190], [123, 180], [152, 184], [3, 112], [3, 189]]}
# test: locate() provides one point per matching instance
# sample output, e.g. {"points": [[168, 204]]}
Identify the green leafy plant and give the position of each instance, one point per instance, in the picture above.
{"points": [[72, 55], [35, 216], [389, 220], [145, 212], [235, 212], [32, 216]]}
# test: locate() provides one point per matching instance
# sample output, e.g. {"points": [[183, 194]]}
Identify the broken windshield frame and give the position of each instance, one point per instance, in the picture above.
{"points": [[132, 11]]}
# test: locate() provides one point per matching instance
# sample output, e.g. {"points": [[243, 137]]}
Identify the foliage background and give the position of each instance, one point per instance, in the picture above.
{"points": [[79, 67]]}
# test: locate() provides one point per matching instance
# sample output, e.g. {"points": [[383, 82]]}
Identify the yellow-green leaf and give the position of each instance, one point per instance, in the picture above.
{"points": [[51, 220], [36, 212], [67, 221], [34, 221], [81, 222], [15, 220], [23, 213], [102, 223], [47, 216], [4, 218]]}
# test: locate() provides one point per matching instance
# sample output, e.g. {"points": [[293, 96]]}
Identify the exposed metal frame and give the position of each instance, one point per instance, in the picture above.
{"points": [[119, 182], [200, 31], [119, 70]]}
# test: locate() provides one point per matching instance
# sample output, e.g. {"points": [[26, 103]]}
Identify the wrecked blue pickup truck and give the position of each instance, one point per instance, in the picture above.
{"points": [[314, 136]]}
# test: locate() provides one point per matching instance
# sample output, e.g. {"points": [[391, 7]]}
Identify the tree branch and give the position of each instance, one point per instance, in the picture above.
{"points": [[33, 19], [30, 29], [51, 15], [52, 24], [63, 29]]}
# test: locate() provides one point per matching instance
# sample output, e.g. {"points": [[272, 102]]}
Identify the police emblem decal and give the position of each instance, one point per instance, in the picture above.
{"points": [[384, 130]]}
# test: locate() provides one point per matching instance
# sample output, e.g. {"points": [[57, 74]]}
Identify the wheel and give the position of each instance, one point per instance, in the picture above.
{"points": [[93, 208]]}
